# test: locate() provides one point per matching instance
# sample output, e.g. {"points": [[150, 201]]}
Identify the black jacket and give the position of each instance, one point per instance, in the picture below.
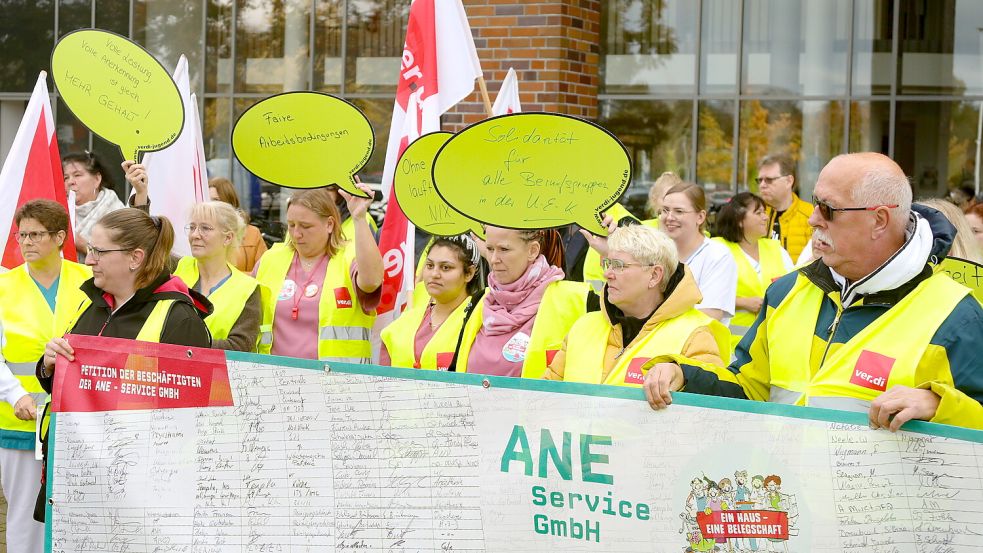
{"points": [[184, 326]]}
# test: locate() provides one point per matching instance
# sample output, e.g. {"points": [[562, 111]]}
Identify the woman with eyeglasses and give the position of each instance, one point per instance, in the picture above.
{"points": [[38, 300], [131, 294], [252, 246], [527, 309], [92, 183], [684, 215], [214, 232], [425, 336], [648, 310], [326, 294], [742, 226]]}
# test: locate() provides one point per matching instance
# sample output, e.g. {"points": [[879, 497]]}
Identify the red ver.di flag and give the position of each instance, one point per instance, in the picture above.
{"points": [[438, 69], [112, 374]]}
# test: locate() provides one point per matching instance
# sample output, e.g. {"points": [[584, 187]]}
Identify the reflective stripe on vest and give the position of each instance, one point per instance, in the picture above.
{"points": [[265, 336], [400, 339], [884, 354], [750, 283], [228, 300], [27, 324], [562, 304], [588, 341], [343, 331]]}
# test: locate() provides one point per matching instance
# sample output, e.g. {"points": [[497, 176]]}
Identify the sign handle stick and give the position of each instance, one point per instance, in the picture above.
{"points": [[484, 95]]}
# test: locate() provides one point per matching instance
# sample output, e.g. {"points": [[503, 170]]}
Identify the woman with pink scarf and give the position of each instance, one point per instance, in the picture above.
{"points": [[527, 308]]}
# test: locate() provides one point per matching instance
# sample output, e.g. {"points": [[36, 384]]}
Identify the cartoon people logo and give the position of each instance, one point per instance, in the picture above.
{"points": [[739, 516]]}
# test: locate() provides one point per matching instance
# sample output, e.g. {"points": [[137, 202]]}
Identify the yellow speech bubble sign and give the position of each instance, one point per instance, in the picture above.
{"points": [[414, 189], [965, 272], [118, 90], [304, 140], [533, 170]]}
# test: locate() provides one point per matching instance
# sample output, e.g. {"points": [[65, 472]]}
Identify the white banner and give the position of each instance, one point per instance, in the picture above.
{"points": [[371, 459]]}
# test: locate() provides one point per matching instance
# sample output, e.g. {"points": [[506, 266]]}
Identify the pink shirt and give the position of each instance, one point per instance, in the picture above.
{"points": [[500, 355], [298, 337]]}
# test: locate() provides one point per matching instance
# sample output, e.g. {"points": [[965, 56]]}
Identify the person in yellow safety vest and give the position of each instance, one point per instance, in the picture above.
{"points": [[325, 293], [527, 309], [648, 310], [593, 271], [426, 335], [869, 326], [131, 295], [38, 299], [251, 246], [742, 226], [214, 232], [788, 215]]}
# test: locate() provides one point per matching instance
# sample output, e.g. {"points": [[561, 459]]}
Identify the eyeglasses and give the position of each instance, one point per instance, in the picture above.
{"points": [[619, 266], [768, 180], [676, 212], [94, 253], [34, 236], [202, 229], [827, 211]]}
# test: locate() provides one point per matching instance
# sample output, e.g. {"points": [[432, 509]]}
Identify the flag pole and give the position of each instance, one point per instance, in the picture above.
{"points": [[484, 96]]}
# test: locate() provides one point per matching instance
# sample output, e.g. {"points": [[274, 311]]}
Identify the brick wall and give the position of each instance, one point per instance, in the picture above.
{"points": [[553, 46]]}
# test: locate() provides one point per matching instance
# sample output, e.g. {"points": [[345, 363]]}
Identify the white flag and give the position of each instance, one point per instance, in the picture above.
{"points": [[176, 174], [507, 100]]}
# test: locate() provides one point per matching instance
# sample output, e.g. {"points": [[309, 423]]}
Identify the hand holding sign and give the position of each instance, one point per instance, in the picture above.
{"points": [[414, 189], [533, 170], [118, 90], [304, 140]]}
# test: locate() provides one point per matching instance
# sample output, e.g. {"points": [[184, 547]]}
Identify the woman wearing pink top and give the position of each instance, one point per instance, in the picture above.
{"points": [[527, 308]]}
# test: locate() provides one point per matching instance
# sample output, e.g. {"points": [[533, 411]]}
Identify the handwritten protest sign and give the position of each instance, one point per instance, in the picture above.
{"points": [[965, 272], [413, 185], [533, 170], [118, 90], [304, 140]]}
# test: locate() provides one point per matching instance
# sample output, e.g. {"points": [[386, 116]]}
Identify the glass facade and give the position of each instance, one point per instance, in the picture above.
{"points": [[704, 88], [807, 78]]}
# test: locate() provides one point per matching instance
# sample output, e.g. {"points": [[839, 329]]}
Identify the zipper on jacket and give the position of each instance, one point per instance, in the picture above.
{"points": [[832, 332]]}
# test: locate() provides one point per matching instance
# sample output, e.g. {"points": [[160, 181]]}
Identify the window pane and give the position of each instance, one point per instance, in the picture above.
{"points": [[168, 29], [944, 154], [218, 47], [74, 14], [657, 134], [795, 46], [715, 143], [73, 137], [870, 127], [272, 42], [375, 38], [328, 57], [872, 39], [111, 15], [809, 132], [718, 63], [941, 45], [216, 134], [648, 46], [26, 38]]}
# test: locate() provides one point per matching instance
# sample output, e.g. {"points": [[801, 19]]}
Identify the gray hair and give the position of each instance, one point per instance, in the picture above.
{"points": [[649, 246], [884, 187]]}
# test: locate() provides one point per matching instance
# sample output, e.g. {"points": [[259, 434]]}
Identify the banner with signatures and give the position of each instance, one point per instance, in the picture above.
{"points": [[347, 457]]}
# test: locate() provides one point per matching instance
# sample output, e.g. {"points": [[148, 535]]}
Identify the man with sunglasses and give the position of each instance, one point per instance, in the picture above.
{"points": [[788, 216], [869, 326]]}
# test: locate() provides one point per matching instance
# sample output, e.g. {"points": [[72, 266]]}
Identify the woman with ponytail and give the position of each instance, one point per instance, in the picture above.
{"points": [[131, 294], [527, 309]]}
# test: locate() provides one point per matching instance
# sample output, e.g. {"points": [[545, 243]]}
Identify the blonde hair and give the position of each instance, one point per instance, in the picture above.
{"points": [[649, 246], [132, 229], [226, 219], [665, 181], [321, 203], [965, 245]]}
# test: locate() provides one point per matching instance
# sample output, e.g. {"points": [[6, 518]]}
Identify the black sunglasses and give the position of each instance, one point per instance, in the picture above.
{"points": [[827, 211]]}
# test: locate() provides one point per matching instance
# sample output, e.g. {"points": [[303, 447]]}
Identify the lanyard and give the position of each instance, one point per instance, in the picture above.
{"points": [[295, 311]]}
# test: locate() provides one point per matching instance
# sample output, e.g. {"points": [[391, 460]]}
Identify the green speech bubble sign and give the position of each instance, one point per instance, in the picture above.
{"points": [[967, 273], [118, 90], [414, 189], [533, 170], [304, 140]]}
